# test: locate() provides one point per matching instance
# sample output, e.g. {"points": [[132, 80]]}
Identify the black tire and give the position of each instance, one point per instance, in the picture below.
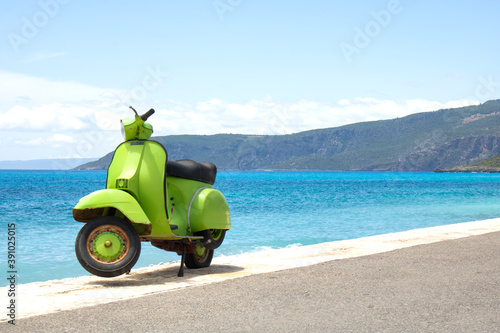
{"points": [[215, 236], [202, 258], [107, 246]]}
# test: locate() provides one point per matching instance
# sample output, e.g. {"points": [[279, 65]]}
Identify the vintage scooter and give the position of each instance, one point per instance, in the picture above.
{"points": [[171, 204]]}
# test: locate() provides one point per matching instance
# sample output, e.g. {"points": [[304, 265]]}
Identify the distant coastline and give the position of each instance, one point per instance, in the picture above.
{"points": [[45, 164], [470, 169]]}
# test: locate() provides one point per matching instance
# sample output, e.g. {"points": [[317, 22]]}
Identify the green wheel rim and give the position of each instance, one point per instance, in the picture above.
{"points": [[108, 244], [201, 253], [216, 233]]}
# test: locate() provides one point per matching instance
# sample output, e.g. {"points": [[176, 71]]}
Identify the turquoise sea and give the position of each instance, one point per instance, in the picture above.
{"points": [[268, 210]]}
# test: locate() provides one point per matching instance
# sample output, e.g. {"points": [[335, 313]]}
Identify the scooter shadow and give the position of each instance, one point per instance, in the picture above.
{"points": [[164, 276]]}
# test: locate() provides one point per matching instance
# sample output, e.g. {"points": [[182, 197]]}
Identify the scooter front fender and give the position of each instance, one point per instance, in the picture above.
{"points": [[95, 204]]}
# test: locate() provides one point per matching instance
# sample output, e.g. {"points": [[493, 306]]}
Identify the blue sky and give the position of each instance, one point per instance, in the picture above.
{"points": [[70, 68]]}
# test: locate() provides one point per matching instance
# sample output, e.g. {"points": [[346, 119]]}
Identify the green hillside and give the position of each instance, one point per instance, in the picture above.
{"points": [[493, 162], [488, 165], [422, 141]]}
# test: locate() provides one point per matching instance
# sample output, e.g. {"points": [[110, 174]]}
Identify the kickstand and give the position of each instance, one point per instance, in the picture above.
{"points": [[181, 269]]}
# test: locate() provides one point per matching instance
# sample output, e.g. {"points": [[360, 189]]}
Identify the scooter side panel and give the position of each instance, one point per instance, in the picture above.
{"points": [[180, 192], [209, 210], [196, 206]]}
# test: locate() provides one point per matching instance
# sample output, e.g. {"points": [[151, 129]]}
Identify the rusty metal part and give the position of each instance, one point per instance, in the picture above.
{"points": [[88, 214], [176, 246], [85, 215]]}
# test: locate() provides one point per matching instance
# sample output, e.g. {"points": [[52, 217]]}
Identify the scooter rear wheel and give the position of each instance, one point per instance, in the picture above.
{"points": [[215, 236], [107, 246], [201, 258]]}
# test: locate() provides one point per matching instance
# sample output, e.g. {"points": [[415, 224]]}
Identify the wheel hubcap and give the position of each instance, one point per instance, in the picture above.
{"points": [[201, 254], [108, 244]]}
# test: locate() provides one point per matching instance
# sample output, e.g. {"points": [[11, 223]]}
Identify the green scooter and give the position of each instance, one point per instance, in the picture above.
{"points": [[148, 198]]}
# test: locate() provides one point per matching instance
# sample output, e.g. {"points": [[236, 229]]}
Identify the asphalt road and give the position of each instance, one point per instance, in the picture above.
{"points": [[449, 286]]}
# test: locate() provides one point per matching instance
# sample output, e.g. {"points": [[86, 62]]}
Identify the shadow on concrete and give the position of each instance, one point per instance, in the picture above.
{"points": [[164, 276]]}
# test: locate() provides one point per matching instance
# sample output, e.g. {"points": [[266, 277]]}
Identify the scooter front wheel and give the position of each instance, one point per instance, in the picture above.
{"points": [[201, 258], [107, 246]]}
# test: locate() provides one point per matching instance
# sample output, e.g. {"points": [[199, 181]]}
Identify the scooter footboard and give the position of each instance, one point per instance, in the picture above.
{"points": [[208, 209]]}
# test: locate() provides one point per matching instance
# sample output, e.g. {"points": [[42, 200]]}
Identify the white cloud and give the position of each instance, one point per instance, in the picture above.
{"points": [[107, 120], [72, 119], [16, 88], [52, 106], [420, 105], [32, 142], [48, 117], [61, 138], [269, 117], [42, 56]]}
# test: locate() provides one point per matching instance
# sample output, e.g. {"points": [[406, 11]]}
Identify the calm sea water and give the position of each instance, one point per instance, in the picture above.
{"points": [[268, 210]]}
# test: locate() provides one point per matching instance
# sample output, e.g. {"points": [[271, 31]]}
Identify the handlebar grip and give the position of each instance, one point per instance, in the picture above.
{"points": [[148, 114]]}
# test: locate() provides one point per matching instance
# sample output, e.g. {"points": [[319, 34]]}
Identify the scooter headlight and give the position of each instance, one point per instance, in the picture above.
{"points": [[122, 128], [129, 128]]}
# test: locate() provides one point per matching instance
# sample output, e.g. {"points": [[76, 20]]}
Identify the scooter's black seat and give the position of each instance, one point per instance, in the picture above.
{"points": [[201, 171]]}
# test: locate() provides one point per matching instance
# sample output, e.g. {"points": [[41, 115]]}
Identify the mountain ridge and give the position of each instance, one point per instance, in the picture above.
{"points": [[418, 142]]}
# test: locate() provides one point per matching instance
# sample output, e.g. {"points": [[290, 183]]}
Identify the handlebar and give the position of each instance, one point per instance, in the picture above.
{"points": [[147, 114]]}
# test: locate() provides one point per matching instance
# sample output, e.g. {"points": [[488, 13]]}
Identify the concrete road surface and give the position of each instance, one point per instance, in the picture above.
{"points": [[448, 286]]}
